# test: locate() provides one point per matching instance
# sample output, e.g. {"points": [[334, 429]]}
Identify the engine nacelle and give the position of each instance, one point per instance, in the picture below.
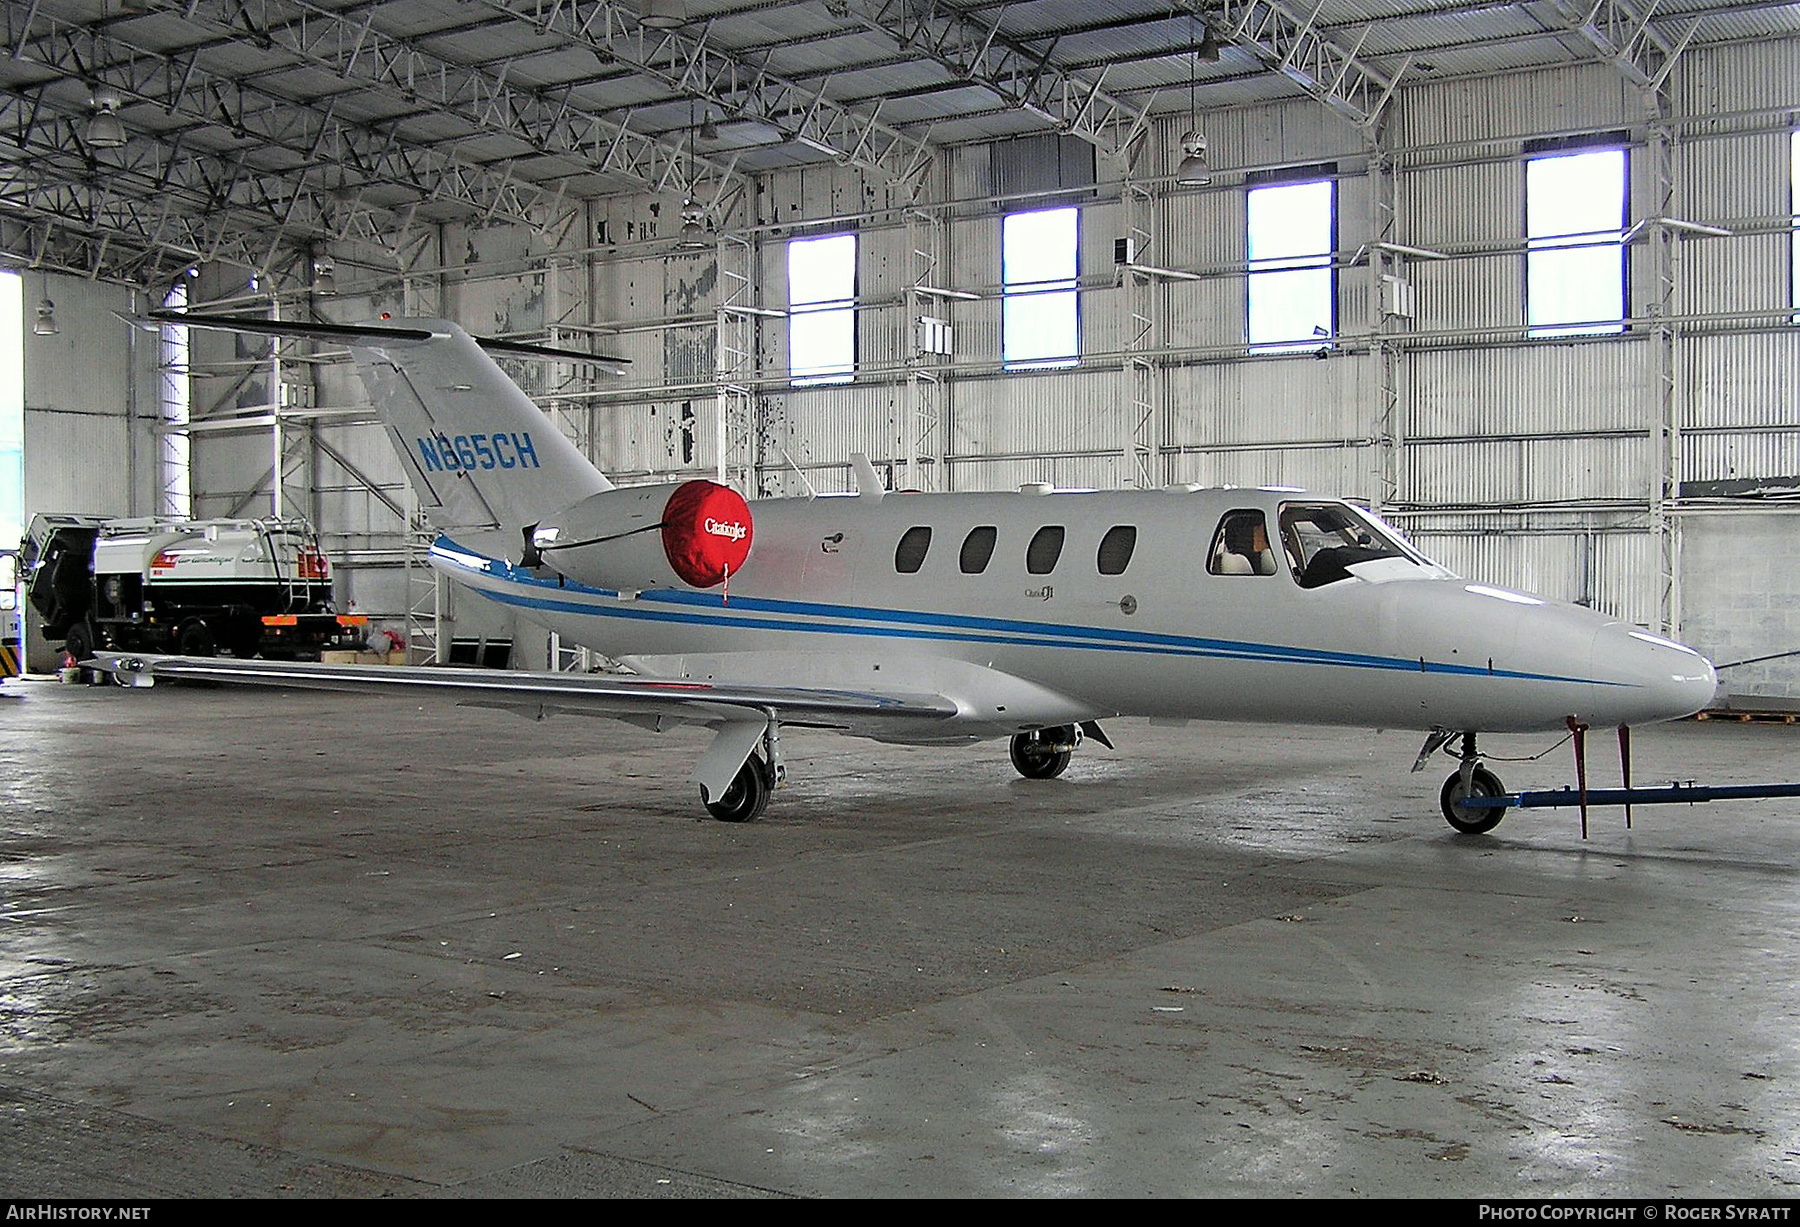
{"points": [[693, 534]]}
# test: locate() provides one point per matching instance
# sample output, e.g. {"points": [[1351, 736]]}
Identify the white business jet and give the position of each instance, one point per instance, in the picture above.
{"points": [[953, 618]]}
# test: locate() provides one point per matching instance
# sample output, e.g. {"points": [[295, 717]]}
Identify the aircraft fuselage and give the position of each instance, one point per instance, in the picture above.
{"points": [[1045, 609]]}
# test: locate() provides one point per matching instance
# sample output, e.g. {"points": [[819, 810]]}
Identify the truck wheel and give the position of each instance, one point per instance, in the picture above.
{"points": [[195, 638], [80, 642]]}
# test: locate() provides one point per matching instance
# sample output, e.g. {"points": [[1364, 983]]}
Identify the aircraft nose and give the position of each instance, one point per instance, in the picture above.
{"points": [[1646, 678]]}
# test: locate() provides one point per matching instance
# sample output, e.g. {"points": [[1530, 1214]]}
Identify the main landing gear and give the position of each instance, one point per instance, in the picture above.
{"points": [[1043, 754], [1469, 780], [761, 771], [747, 796]]}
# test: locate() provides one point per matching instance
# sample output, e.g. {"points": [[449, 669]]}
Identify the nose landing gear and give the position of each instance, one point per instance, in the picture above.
{"points": [[1470, 780]]}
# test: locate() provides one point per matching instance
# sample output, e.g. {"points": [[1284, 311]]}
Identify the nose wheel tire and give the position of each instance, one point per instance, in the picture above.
{"points": [[1036, 756], [1471, 821], [746, 797]]}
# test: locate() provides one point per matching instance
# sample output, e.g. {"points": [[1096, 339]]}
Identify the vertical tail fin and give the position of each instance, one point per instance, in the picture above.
{"points": [[477, 450], [479, 453]]}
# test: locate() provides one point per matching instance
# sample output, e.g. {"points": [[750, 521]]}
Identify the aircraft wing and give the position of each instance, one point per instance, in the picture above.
{"points": [[739, 712], [600, 693]]}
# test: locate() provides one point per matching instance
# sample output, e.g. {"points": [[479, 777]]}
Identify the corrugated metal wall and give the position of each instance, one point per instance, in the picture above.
{"points": [[1465, 111], [89, 391]]}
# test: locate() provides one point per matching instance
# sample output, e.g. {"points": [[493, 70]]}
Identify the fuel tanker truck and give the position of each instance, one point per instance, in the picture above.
{"points": [[192, 587]]}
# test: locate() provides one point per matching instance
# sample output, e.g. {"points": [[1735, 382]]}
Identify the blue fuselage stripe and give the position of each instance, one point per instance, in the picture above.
{"points": [[913, 624]]}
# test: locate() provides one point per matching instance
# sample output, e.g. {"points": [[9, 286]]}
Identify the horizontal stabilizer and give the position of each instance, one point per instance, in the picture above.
{"points": [[479, 452], [365, 334]]}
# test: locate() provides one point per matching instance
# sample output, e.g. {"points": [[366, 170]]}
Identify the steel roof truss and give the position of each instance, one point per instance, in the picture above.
{"points": [[1022, 74]]}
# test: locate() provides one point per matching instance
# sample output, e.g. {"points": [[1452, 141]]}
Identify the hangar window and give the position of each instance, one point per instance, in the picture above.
{"points": [[1574, 249], [1040, 317], [822, 309], [1045, 548], [175, 494], [12, 422], [1115, 549], [977, 549], [1241, 545], [909, 555], [1290, 295]]}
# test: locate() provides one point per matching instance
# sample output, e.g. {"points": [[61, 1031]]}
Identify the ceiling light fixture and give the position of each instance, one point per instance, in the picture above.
{"points": [[105, 130], [324, 276], [663, 14], [46, 319], [1192, 172], [693, 226], [693, 216]]}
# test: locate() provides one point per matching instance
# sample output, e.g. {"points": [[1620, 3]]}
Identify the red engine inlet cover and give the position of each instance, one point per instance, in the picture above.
{"points": [[706, 532]]}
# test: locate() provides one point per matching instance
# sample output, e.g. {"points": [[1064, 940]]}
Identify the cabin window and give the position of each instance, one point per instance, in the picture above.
{"points": [[1324, 540], [1115, 549], [909, 556], [1241, 545], [1045, 548], [977, 549]]}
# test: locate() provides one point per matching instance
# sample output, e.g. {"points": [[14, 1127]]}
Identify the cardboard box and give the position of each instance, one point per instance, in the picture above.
{"points": [[363, 658]]}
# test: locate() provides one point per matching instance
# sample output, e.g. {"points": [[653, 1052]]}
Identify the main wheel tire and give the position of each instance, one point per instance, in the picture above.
{"points": [[1033, 757], [746, 797], [195, 638], [1482, 783]]}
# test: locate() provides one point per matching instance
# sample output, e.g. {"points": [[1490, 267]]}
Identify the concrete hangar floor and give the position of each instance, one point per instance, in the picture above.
{"points": [[261, 944]]}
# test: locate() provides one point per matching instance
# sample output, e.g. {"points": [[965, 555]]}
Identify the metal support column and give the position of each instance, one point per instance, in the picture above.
{"points": [[574, 419], [425, 610], [920, 450], [571, 416], [734, 364], [292, 485], [1665, 424], [278, 449], [1390, 295], [1141, 465]]}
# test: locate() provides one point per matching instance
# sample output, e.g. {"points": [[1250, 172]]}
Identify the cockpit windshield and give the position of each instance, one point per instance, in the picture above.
{"points": [[1329, 542]]}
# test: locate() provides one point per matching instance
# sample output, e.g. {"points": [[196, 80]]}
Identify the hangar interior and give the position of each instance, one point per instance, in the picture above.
{"points": [[1522, 278], [645, 181]]}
